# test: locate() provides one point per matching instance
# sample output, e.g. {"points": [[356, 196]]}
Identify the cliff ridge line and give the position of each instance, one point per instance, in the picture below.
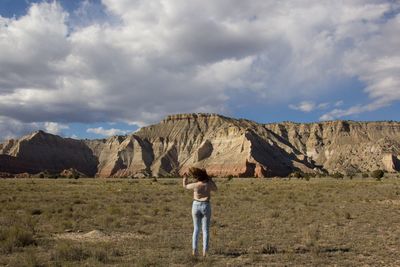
{"points": [[222, 145]]}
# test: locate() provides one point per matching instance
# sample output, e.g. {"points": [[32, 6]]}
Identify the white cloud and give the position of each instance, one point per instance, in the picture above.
{"points": [[376, 62], [11, 128], [354, 110], [74, 136], [155, 57], [339, 103], [107, 132], [308, 106], [54, 127]]}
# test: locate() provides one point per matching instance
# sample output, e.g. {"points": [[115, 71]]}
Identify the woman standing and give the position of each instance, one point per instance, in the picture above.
{"points": [[201, 208]]}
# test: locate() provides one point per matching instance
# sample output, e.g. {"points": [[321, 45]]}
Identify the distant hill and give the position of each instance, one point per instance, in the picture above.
{"points": [[224, 146]]}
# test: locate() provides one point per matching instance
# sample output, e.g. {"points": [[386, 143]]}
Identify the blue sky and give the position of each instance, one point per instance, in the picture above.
{"points": [[94, 68], [10, 8]]}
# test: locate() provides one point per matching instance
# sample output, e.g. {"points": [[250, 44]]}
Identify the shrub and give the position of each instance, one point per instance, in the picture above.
{"points": [[15, 237], [269, 249], [53, 176], [297, 174], [337, 175], [275, 214], [36, 212], [22, 238], [377, 174], [365, 175]]}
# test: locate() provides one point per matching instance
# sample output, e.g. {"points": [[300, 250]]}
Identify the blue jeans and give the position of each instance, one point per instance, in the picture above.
{"points": [[201, 213]]}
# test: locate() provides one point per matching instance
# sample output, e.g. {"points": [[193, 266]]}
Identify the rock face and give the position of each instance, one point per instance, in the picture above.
{"points": [[222, 145], [344, 146], [41, 151], [391, 162]]}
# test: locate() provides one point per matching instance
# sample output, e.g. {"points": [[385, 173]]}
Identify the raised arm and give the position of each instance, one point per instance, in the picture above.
{"points": [[186, 184]]}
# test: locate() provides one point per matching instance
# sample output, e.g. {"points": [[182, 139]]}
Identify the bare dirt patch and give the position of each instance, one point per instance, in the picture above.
{"points": [[96, 236]]}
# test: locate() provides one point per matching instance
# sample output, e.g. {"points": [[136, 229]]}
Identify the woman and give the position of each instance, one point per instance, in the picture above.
{"points": [[201, 208]]}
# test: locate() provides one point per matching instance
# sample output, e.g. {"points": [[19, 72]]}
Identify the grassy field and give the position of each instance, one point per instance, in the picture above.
{"points": [[256, 222]]}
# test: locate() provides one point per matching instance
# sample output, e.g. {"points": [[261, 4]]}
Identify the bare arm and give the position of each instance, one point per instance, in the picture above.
{"points": [[186, 184]]}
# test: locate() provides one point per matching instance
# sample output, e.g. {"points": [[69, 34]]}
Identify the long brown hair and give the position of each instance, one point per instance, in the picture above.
{"points": [[199, 174]]}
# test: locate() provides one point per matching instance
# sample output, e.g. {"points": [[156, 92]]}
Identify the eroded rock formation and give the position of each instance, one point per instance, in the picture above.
{"points": [[41, 151], [222, 145]]}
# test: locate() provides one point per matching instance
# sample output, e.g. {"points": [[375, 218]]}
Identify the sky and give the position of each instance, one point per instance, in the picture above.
{"points": [[95, 68]]}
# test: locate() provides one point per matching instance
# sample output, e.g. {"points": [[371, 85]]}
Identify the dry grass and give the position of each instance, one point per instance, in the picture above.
{"points": [[99, 222]]}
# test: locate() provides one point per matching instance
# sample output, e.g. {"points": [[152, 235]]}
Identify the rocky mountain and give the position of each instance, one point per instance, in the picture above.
{"points": [[41, 151], [224, 146]]}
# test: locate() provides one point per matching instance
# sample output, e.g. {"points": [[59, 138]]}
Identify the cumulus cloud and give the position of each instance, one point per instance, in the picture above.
{"points": [[376, 62], [30, 46], [106, 132], [11, 128], [145, 59]]}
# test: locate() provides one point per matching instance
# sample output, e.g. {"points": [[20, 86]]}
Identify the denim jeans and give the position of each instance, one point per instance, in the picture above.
{"points": [[201, 213]]}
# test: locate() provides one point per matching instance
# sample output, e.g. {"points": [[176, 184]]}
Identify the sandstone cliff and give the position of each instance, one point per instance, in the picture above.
{"points": [[222, 145], [345, 146], [41, 151]]}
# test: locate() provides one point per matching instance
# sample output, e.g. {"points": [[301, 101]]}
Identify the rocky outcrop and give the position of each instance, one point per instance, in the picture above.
{"points": [[343, 146], [222, 145], [41, 151], [391, 162], [122, 156]]}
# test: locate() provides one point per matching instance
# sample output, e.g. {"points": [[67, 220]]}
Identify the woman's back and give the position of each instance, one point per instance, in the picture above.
{"points": [[202, 190]]}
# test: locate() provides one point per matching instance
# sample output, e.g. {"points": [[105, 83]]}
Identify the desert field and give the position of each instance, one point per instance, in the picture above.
{"points": [[146, 222]]}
